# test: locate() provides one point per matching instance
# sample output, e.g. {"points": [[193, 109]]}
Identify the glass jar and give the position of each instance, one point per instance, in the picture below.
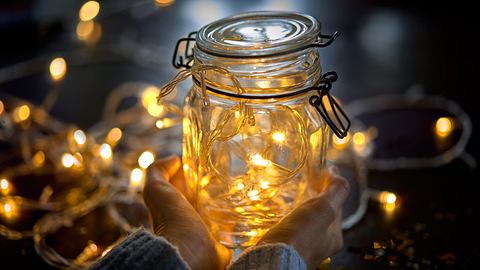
{"points": [[252, 141]]}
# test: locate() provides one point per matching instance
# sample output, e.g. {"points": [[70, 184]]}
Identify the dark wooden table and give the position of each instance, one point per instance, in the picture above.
{"points": [[385, 47]]}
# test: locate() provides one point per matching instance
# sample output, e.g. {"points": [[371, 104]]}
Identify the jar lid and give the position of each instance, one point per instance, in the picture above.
{"points": [[258, 34]]}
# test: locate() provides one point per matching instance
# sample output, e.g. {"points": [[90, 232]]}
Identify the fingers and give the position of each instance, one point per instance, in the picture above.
{"points": [[337, 191], [163, 169], [163, 201], [321, 182], [333, 170]]}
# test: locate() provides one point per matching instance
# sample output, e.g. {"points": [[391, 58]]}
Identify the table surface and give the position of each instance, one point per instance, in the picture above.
{"points": [[385, 47]]}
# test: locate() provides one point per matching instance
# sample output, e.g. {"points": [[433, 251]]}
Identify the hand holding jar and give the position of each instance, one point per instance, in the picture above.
{"points": [[312, 229]]}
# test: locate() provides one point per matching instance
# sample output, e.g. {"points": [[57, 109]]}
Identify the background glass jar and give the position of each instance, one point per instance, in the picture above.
{"points": [[248, 161]]}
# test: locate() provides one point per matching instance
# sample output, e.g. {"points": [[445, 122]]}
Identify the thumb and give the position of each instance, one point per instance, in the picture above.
{"points": [[164, 202], [164, 169], [337, 191]]}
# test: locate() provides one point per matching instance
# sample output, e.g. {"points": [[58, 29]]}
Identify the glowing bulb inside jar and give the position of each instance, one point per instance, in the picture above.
{"points": [[264, 184], [204, 182], [258, 160], [146, 159], [278, 137], [253, 194], [239, 185]]}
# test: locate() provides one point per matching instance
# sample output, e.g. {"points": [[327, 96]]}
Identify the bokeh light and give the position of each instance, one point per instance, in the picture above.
{"points": [[89, 10], [58, 68]]}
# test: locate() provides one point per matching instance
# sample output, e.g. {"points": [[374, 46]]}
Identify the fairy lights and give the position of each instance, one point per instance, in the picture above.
{"points": [[239, 185], [163, 3], [258, 160], [359, 139], [21, 113], [149, 101], [390, 198], [79, 137], [68, 160], [105, 151], [160, 124], [136, 177], [58, 68], [204, 182], [278, 137], [155, 109], [114, 135], [52, 148], [149, 96], [443, 127], [253, 194], [388, 201], [146, 159], [9, 209], [4, 186], [89, 11], [264, 184], [38, 159]]}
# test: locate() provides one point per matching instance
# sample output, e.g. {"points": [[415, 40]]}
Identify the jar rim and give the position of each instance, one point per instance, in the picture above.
{"points": [[257, 34]]}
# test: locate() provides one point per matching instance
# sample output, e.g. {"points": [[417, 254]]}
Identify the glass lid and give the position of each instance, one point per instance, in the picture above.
{"points": [[258, 34]]}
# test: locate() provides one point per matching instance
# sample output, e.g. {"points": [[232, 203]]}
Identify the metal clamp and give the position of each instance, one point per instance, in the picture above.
{"points": [[331, 39], [341, 123], [185, 60]]}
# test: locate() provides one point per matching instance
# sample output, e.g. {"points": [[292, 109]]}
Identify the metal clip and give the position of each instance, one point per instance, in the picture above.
{"points": [[331, 39], [184, 60], [339, 122]]}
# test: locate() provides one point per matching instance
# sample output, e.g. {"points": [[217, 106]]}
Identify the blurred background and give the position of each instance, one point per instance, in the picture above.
{"points": [[386, 47]]}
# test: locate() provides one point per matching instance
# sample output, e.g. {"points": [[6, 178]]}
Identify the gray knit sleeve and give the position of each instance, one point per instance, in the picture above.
{"points": [[142, 250], [270, 257]]}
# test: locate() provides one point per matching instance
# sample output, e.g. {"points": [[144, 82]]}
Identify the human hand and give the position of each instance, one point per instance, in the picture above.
{"points": [[174, 218], [314, 228]]}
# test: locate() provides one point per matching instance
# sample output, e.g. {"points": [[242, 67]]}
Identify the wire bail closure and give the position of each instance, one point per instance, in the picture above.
{"points": [[325, 104]]}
